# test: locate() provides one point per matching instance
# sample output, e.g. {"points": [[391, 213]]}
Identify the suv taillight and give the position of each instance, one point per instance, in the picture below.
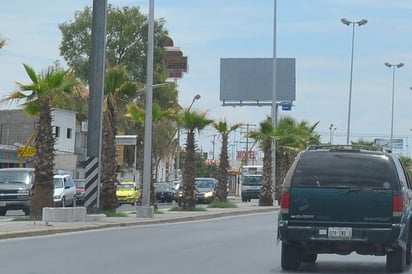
{"points": [[285, 202], [397, 205]]}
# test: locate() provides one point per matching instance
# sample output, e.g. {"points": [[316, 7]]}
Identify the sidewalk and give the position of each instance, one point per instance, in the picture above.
{"points": [[12, 229]]}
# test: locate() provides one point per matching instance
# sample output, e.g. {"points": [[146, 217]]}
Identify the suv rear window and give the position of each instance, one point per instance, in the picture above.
{"points": [[342, 169]]}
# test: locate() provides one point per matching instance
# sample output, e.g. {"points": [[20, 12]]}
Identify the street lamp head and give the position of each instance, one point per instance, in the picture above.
{"points": [[391, 65], [197, 97], [345, 21]]}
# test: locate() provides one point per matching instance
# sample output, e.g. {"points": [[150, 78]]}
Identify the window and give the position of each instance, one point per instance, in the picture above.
{"points": [[326, 169], [57, 131], [69, 133]]}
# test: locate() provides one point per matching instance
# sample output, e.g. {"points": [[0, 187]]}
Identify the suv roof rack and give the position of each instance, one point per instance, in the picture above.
{"points": [[348, 147]]}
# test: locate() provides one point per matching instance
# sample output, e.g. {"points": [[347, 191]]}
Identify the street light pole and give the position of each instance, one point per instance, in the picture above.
{"points": [[331, 130], [197, 97], [393, 66], [145, 210], [359, 23]]}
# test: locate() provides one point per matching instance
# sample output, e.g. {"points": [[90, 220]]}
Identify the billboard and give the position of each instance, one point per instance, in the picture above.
{"points": [[388, 143], [249, 81]]}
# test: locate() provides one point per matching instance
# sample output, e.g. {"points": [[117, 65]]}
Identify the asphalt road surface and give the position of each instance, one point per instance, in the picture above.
{"points": [[242, 244]]}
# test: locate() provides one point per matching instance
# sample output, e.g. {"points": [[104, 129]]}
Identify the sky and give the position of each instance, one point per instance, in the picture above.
{"points": [[310, 31]]}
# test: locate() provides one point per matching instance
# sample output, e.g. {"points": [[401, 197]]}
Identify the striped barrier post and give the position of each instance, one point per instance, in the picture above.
{"points": [[92, 185]]}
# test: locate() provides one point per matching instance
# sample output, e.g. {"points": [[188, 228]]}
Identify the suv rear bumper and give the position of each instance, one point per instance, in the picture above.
{"points": [[389, 236]]}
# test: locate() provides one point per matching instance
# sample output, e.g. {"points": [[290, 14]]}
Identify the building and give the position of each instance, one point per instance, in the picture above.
{"points": [[17, 129]]}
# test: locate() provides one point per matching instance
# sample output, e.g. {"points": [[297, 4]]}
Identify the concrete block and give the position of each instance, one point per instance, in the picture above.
{"points": [[145, 212], [95, 217], [64, 214]]}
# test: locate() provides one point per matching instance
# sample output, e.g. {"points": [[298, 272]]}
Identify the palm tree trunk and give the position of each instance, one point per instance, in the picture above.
{"points": [[43, 163], [108, 199], [284, 159], [189, 199], [221, 191], [265, 198]]}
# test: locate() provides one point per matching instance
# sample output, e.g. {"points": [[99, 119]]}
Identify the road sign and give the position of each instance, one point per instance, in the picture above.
{"points": [[286, 105], [28, 151]]}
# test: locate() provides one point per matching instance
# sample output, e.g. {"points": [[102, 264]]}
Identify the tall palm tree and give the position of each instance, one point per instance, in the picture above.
{"points": [[291, 137], [163, 135], [297, 135], [118, 89], [191, 121], [264, 136], [224, 130], [46, 89]]}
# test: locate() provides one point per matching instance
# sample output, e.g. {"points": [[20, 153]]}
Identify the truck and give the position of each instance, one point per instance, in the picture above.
{"points": [[251, 182]]}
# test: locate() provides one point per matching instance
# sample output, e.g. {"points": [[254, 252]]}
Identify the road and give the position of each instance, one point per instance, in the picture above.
{"points": [[241, 244]]}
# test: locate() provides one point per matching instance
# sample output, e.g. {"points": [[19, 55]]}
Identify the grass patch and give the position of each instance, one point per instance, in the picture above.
{"points": [[158, 211], [178, 208], [115, 214], [218, 204], [24, 218]]}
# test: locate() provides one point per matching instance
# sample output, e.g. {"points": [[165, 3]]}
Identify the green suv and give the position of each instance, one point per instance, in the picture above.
{"points": [[340, 199]]}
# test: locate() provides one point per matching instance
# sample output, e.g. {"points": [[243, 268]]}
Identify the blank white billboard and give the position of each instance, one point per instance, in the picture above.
{"points": [[249, 81]]}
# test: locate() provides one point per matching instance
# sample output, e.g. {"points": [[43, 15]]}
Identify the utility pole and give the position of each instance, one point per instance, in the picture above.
{"points": [[247, 154], [213, 147], [96, 90]]}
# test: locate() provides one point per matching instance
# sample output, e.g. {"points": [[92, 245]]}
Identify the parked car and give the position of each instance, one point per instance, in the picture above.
{"points": [[205, 189], [64, 190], [177, 187], [16, 189], [165, 192], [80, 190], [341, 199], [127, 193]]}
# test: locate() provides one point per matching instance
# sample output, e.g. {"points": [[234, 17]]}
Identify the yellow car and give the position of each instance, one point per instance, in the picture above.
{"points": [[127, 193]]}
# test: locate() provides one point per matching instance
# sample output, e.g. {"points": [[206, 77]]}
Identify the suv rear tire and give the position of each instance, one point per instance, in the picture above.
{"points": [[309, 258], [291, 257], [396, 260]]}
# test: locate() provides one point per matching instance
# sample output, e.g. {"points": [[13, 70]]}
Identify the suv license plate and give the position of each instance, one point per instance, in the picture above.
{"points": [[340, 233]]}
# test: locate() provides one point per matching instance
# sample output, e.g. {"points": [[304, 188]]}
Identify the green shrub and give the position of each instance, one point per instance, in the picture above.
{"points": [[178, 208], [115, 214], [225, 204]]}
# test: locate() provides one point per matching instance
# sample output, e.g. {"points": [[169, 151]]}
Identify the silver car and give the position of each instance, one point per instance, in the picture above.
{"points": [[64, 190]]}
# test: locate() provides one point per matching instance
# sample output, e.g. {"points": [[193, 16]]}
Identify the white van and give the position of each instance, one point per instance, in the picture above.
{"points": [[64, 190]]}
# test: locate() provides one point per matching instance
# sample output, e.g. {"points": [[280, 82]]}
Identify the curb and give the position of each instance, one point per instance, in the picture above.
{"points": [[50, 230]]}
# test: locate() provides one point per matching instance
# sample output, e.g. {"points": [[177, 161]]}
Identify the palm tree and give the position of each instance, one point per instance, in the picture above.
{"points": [[224, 130], [264, 136], [40, 96], [291, 137], [191, 121], [118, 88], [163, 135], [297, 135]]}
